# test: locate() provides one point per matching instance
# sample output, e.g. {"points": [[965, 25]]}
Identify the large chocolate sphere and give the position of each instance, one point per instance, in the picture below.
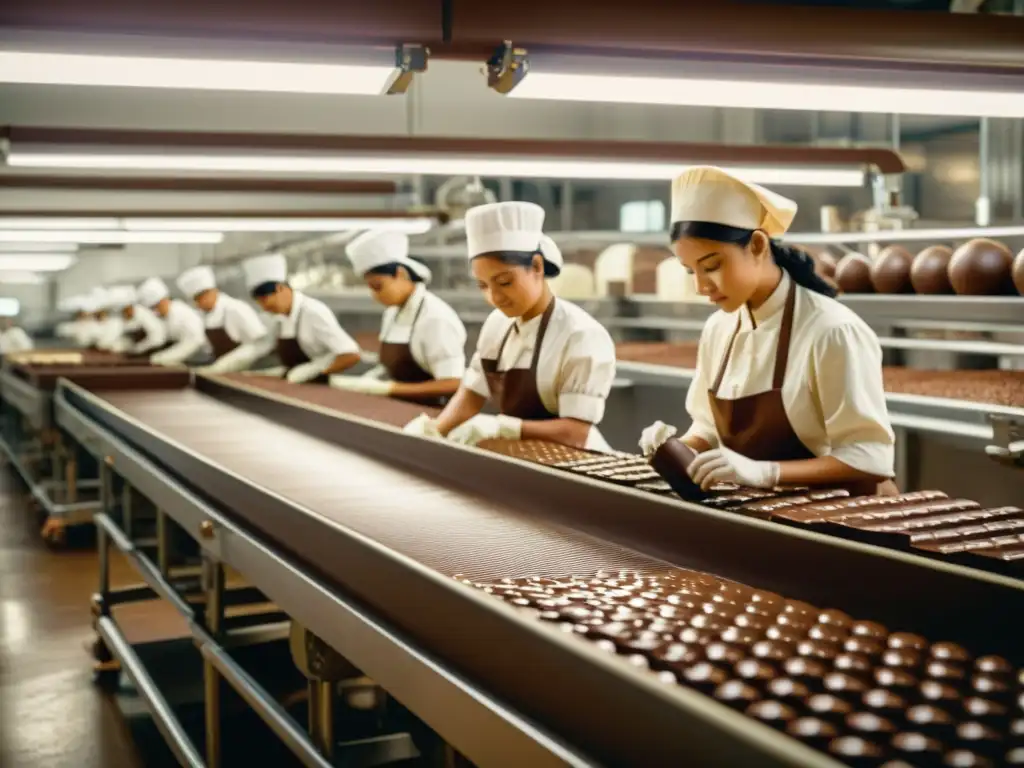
{"points": [[853, 274], [930, 271], [891, 271], [824, 264], [981, 267], [1018, 272]]}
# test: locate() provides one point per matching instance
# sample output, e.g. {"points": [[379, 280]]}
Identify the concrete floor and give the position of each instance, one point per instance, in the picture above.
{"points": [[51, 715]]}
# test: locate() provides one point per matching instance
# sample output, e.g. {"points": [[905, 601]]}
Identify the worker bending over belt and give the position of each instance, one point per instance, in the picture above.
{"points": [[13, 338], [422, 339], [788, 387], [143, 332], [184, 326], [233, 329], [310, 342], [109, 325], [546, 364]]}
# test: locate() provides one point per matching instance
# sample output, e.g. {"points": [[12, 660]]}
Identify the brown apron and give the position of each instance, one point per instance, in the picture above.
{"points": [[220, 342], [291, 354], [515, 390], [401, 366], [756, 426]]}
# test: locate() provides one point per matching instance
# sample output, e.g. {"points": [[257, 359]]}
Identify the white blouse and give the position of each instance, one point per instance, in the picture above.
{"points": [[832, 390], [316, 329], [576, 366], [239, 320], [438, 340]]}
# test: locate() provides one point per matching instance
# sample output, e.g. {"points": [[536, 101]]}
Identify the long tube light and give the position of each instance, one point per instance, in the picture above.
{"points": [[52, 68], [36, 262], [903, 235], [21, 278], [449, 165], [412, 225], [766, 86], [102, 237], [38, 248]]}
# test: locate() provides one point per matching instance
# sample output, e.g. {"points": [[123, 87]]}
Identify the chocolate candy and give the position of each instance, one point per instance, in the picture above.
{"points": [[982, 267], [937, 692], [670, 461], [751, 669], [884, 702], [917, 747], [704, 675], [963, 758], [737, 693], [787, 689], [993, 665], [829, 707], [853, 274], [841, 684], [904, 659], [940, 670], [889, 677], [774, 713], [855, 750], [929, 270], [812, 729], [724, 653], [869, 629], [863, 646], [950, 652], [890, 272], [853, 664], [869, 722]]}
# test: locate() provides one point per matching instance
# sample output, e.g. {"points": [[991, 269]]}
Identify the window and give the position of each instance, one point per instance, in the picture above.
{"points": [[9, 307], [642, 216]]}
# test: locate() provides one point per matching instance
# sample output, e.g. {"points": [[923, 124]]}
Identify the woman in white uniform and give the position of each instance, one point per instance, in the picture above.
{"points": [[233, 329], [788, 387], [546, 364], [144, 332], [422, 339], [109, 325], [14, 338], [311, 343], [185, 330]]}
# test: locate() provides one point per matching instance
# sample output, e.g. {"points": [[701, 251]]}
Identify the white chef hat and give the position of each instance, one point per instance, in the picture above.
{"points": [[100, 299], [379, 247], [510, 227], [152, 292], [704, 195], [72, 304], [551, 253], [196, 280], [121, 296], [268, 268]]}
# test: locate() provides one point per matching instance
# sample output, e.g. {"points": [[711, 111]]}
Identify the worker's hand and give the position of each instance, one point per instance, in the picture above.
{"points": [[362, 385], [422, 425], [300, 374], [275, 372], [655, 436], [485, 427], [158, 359], [720, 465]]}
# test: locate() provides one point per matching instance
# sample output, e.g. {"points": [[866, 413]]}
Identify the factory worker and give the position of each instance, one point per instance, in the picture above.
{"points": [[310, 342], [109, 325], [545, 364], [788, 387], [185, 332], [13, 338], [233, 328], [144, 332], [423, 341], [79, 329]]}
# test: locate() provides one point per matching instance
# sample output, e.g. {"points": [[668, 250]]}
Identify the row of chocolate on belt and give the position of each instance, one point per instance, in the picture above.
{"points": [[925, 521], [864, 694]]}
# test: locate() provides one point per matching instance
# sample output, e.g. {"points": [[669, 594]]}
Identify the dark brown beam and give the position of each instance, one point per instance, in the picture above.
{"points": [[188, 184], [884, 160], [747, 29]]}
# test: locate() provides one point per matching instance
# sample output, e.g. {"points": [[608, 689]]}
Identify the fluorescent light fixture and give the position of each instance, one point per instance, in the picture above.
{"points": [[21, 278], [412, 225], [54, 222], [106, 236], [903, 235], [36, 262], [211, 74], [770, 86], [38, 248], [429, 165]]}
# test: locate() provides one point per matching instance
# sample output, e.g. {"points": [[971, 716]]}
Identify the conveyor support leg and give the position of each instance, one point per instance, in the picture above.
{"points": [[214, 578]]}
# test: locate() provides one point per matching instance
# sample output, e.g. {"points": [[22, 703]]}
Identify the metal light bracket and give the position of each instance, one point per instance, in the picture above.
{"points": [[410, 60], [1007, 440], [507, 67]]}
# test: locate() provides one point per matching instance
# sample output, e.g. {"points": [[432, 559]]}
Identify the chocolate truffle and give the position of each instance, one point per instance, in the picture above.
{"points": [[950, 652], [853, 274], [771, 712], [930, 271], [890, 273], [993, 665], [981, 267], [918, 745], [1018, 272], [670, 461]]}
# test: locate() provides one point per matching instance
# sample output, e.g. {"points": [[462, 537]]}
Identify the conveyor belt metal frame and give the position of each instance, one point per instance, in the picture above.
{"points": [[477, 723]]}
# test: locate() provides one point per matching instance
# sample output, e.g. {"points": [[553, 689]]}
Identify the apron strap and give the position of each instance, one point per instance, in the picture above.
{"points": [[415, 318], [725, 359], [785, 331]]}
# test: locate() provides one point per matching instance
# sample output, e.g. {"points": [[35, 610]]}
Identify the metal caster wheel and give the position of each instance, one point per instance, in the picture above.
{"points": [[54, 532]]}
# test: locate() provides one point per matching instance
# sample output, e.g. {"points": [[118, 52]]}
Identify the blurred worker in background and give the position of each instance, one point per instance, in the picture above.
{"points": [[13, 337], [233, 329], [423, 341], [184, 326], [309, 340], [545, 364], [81, 329], [109, 325], [144, 332]]}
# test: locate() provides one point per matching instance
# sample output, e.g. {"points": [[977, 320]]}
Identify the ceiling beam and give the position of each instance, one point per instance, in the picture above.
{"points": [[197, 184]]}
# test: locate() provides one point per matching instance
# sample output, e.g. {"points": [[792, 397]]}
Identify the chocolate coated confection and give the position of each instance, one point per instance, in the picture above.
{"points": [[868, 722], [993, 665], [942, 671], [854, 747], [827, 511], [853, 274], [928, 716], [1018, 272], [929, 272], [853, 663], [903, 658], [962, 758], [773, 712], [950, 652], [737, 692], [791, 690], [869, 629], [897, 679], [917, 745], [940, 693], [863, 645], [811, 729], [670, 461], [1015, 756], [890, 272], [884, 702], [841, 684], [751, 669], [829, 707], [982, 267]]}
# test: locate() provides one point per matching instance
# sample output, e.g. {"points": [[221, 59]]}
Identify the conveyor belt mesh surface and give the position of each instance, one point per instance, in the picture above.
{"points": [[444, 529]]}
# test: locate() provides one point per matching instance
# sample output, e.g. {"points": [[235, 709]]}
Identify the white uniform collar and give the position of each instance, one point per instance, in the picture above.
{"points": [[772, 306], [412, 304], [297, 299], [530, 325], [218, 309]]}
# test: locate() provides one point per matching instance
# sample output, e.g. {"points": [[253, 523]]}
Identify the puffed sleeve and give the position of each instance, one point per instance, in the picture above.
{"points": [[848, 383], [487, 343], [443, 347], [329, 334], [697, 403], [588, 370]]}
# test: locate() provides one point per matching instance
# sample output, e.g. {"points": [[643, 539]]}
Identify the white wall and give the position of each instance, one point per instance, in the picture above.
{"points": [[34, 299]]}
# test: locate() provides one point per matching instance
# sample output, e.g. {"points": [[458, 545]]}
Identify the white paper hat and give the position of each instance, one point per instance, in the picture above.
{"points": [[704, 193], [552, 254], [509, 226], [121, 296], [194, 281], [379, 247], [152, 292], [100, 298], [268, 268]]}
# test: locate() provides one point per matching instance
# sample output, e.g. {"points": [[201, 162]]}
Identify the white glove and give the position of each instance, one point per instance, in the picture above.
{"points": [[485, 427], [158, 359], [655, 436], [276, 372], [422, 425], [300, 374], [721, 465], [377, 372], [362, 385]]}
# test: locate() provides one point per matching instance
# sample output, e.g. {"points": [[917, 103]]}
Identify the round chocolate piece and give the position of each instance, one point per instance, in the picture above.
{"points": [[805, 669], [800, 608], [737, 692], [826, 633], [741, 637], [854, 747], [869, 629], [752, 622], [751, 669], [940, 670], [950, 652], [1018, 272], [881, 700], [976, 732], [782, 634], [888, 677], [818, 650], [908, 641], [890, 272], [853, 274], [836, 619], [794, 622], [704, 674], [678, 653], [1017, 729], [853, 663], [772, 650], [916, 744], [962, 758], [982, 267], [929, 272], [723, 652], [869, 722], [993, 665], [863, 645], [767, 601], [772, 712], [984, 710], [828, 706], [990, 685], [788, 689], [840, 683], [904, 659], [695, 636], [713, 624], [811, 729], [924, 715], [932, 690]]}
